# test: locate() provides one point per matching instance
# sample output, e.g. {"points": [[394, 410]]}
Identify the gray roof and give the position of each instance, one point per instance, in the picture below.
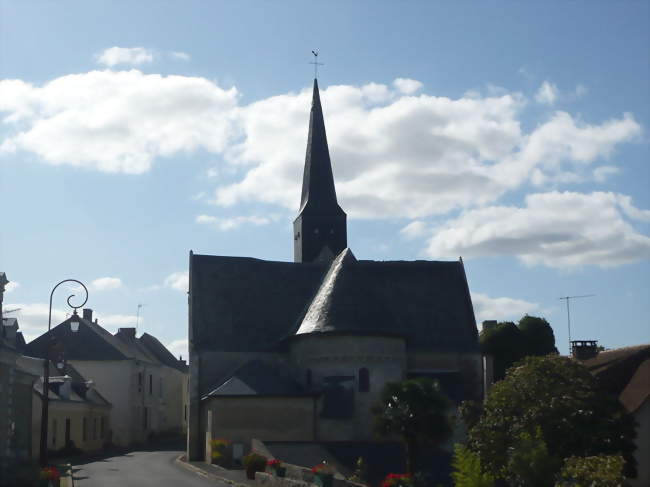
{"points": [[243, 304], [92, 342], [256, 378], [161, 353]]}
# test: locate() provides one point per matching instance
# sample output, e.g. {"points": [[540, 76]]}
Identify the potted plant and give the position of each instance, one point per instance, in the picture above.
{"points": [[254, 462], [323, 474], [277, 467], [50, 477], [398, 480]]}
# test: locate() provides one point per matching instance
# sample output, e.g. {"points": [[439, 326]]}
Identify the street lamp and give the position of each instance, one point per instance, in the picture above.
{"points": [[74, 326]]}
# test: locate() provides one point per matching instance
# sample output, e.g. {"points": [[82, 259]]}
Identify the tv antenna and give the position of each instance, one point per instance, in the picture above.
{"points": [[568, 312], [137, 319], [11, 310], [316, 63]]}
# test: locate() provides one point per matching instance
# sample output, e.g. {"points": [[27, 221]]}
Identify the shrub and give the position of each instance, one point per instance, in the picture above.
{"points": [[398, 480], [467, 469], [220, 451]]}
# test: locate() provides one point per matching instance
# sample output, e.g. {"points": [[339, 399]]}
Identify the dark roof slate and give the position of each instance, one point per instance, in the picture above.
{"points": [[259, 380], [243, 304], [161, 353], [624, 372]]}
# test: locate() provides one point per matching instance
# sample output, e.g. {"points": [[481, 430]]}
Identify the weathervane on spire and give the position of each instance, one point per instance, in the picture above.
{"points": [[316, 63]]}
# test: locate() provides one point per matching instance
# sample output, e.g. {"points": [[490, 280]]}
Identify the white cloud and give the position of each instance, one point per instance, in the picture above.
{"points": [[11, 286], [115, 321], [415, 229], [116, 121], [603, 172], [500, 309], [412, 156], [132, 56], [230, 223], [393, 155], [407, 86], [182, 56], [558, 230], [106, 283], [547, 93], [179, 348], [178, 280]]}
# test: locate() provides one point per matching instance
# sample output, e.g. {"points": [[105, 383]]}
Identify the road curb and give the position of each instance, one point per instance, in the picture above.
{"points": [[179, 460]]}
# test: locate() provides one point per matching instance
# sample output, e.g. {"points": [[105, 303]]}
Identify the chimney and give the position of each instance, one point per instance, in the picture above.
{"points": [[488, 324], [87, 314], [584, 349], [126, 333]]}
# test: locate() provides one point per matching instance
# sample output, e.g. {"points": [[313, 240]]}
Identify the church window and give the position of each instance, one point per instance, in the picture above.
{"points": [[364, 380], [316, 231], [331, 231], [308, 378]]}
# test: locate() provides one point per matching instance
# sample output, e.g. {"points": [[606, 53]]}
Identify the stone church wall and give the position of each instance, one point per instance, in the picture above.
{"points": [[340, 358], [239, 419]]}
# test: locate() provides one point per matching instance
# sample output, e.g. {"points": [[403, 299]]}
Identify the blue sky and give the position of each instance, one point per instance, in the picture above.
{"points": [[512, 133]]}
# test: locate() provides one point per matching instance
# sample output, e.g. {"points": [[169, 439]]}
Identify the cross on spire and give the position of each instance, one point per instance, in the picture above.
{"points": [[316, 63]]}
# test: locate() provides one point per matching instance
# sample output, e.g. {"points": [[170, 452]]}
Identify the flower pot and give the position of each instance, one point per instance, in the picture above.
{"points": [[280, 471], [324, 479]]}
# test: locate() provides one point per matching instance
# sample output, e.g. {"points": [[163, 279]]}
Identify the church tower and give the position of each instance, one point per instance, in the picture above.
{"points": [[319, 230]]}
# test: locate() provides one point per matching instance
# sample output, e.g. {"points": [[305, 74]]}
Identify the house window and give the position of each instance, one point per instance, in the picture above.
{"points": [[94, 428], [186, 412], [145, 418], [150, 384], [102, 427], [364, 380], [160, 391], [53, 432], [84, 429], [139, 378], [308, 378]]}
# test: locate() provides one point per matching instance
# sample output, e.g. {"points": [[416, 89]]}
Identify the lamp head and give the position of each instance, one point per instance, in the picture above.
{"points": [[74, 322]]}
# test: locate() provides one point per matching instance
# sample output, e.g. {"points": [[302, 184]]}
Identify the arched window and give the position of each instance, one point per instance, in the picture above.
{"points": [[308, 378], [364, 380]]}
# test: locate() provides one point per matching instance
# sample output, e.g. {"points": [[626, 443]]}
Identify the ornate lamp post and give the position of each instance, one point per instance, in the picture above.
{"points": [[74, 325]]}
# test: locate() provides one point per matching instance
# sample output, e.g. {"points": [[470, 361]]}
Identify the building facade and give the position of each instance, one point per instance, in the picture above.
{"points": [[138, 376]]}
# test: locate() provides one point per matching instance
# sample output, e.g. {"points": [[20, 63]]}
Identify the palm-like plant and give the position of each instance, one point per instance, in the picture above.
{"points": [[417, 411]]}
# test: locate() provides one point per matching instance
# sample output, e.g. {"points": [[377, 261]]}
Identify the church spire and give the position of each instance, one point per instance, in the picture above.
{"points": [[320, 228]]}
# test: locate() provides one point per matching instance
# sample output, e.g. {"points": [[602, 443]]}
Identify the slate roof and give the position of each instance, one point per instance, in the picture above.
{"points": [[161, 353], [244, 305], [93, 342], [256, 378], [80, 392], [624, 372], [318, 190]]}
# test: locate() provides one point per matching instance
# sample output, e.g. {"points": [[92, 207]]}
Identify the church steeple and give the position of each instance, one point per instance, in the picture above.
{"points": [[320, 228]]}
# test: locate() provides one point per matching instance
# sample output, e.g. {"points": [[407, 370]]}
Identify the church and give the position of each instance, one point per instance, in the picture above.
{"points": [[300, 351]]}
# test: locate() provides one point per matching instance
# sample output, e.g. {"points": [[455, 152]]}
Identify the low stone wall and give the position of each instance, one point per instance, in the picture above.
{"points": [[297, 476]]}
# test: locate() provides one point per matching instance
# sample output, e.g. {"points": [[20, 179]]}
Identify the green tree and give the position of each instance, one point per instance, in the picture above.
{"points": [[601, 470], [538, 336], [417, 411], [529, 462], [508, 343], [504, 343], [467, 469], [561, 397]]}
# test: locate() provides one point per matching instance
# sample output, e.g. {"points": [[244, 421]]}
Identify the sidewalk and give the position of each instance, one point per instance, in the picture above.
{"points": [[233, 477]]}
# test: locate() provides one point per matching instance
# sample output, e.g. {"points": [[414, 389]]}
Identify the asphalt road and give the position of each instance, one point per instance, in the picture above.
{"points": [[139, 469]]}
